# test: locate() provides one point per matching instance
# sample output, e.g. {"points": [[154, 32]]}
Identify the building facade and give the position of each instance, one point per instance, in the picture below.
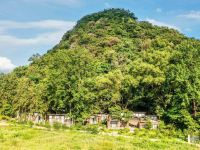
{"points": [[59, 118], [138, 120]]}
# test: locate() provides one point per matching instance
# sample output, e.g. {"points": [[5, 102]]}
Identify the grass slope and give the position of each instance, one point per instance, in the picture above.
{"points": [[24, 138]]}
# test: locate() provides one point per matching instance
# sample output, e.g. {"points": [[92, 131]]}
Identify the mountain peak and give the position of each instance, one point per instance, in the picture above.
{"points": [[110, 62], [112, 13]]}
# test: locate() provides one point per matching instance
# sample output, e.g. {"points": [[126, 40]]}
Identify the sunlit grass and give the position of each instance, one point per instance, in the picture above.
{"points": [[24, 138]]}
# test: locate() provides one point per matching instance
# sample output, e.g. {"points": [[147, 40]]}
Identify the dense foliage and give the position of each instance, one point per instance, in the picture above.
{"points": [[111, 62]]}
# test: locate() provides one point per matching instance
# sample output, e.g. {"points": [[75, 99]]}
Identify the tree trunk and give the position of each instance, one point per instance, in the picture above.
{"points": [[108, 121], [194, 108]]}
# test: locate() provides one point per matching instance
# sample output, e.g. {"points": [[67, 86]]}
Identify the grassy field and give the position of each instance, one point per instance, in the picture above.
{"points": [[19, 137]]}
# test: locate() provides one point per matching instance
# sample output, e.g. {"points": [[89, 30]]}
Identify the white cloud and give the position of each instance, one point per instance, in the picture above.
{"points": [[191, 15], [158, 23], [46, 38], [159, 10], [6, 65], [57, 29], [43, 24]]}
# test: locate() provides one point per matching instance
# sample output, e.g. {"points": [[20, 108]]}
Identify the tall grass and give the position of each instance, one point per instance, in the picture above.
{"points": [[24, 137]]}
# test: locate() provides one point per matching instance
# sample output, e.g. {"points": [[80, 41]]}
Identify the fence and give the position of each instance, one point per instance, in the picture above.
{"points": [[193, 139]]}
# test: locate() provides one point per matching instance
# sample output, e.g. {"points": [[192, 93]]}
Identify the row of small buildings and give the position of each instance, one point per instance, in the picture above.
{"points": [[138, 120]]}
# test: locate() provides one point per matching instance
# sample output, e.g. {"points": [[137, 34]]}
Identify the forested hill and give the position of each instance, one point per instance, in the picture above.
{"points": [[111, 63]]}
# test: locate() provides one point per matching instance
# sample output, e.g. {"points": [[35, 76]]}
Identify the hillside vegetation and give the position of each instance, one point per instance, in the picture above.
{"points": [[111, 63]]}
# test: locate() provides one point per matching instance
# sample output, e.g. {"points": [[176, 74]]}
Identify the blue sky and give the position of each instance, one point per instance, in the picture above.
{"points": [[34, 26]]}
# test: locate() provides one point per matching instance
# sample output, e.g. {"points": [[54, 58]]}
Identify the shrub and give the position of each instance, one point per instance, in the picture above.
{"points": [[65, 127], [26, 135], [94, 129], [13, 121], [124, 131], [152, 134], [136, 131], [148, 124], [103, 128], [30, 123], [47, 125], [17, 134], [44, 124], [104, 122], [76, 127], [111, 41], [57, 125], [2, 117], [143, 132], [23, 122], [1, 136]]}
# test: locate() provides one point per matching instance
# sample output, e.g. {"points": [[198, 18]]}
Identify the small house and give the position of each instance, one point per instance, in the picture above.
{"points": [[142, 123], [114, 124], [152, 118], [142, 120], [139, 114], [92, 120], [95, 119], [35, 117], [133, 123], [102, 117], [138, 120], [60, 118], [154, 121]]}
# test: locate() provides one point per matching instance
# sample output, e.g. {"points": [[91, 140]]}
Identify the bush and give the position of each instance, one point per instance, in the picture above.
{"points": [[1, 136], [2, 117], [77, 127], [148, 124], [143, 132], [152, 134], [30, 123], [94, 129], [64, 127], [104, 122], [103, 128], [124, 131], [47, 125], [23, 122], [13, 120], [136, 131], [57, 125]]}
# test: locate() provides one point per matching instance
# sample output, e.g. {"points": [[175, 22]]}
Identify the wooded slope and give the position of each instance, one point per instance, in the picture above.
{"points": [[112, 63]]}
